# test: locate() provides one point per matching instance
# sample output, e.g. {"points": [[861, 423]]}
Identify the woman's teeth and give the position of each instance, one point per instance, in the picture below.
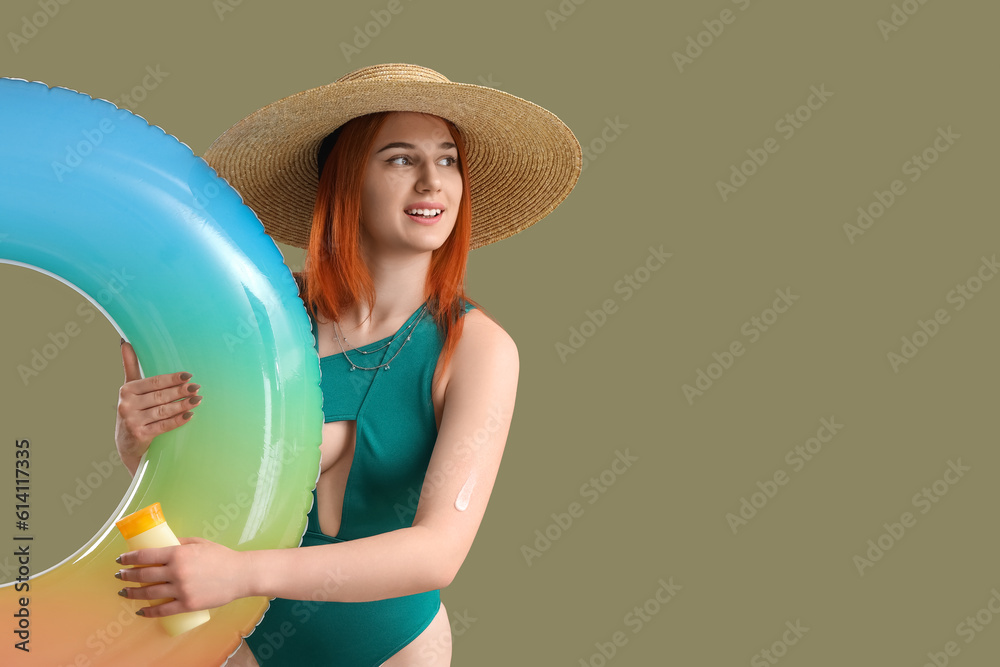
{"points": [[424, 212]]}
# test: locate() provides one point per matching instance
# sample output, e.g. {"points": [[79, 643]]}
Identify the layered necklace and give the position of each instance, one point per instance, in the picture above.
{"points": [[407, 330]]}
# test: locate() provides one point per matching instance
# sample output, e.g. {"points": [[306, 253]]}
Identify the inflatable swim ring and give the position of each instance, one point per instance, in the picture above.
{"points": [[129, 217]]}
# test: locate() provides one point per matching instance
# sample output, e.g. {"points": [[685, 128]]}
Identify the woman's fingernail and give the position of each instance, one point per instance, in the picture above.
{"points": [[187, 415], [195, 400], [123, 592], [185, 377], [193, 387], [122, 343], [119, 560], [141, 612], [118, 574]]}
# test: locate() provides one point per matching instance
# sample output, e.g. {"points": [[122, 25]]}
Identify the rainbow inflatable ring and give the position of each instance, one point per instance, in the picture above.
{"points": [[86, 189]]}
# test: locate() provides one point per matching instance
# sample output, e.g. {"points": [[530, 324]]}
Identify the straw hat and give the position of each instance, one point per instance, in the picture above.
{"points": [[522, 160]]}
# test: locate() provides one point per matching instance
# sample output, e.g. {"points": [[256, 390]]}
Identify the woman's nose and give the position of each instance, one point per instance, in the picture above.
{"points": [[429, 178]]}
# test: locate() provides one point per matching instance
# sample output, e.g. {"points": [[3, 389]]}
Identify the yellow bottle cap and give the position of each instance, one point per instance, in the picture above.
{"points": [[141, 521]]}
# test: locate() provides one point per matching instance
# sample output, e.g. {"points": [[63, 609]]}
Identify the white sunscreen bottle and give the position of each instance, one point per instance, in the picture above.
{"points": [[147, 529]]}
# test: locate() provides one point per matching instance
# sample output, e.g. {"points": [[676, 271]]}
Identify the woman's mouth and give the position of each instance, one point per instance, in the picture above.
{"points": [[424, 215]]}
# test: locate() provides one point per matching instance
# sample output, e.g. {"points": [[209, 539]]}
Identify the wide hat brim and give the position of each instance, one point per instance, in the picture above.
{"points": [[522, 160]]}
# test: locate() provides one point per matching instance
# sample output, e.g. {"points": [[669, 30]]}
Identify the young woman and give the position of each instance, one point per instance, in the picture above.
{"points": [[388, 176]]}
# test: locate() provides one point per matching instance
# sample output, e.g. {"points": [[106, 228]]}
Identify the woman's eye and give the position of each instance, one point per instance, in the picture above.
{"points": [[447, 161]]}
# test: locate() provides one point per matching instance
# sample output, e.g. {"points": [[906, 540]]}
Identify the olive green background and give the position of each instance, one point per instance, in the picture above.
{"points": [[680, 131]]}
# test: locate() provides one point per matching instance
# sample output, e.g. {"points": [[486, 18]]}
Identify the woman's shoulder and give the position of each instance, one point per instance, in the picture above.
{"points": [[482, 335], [485, 361]]}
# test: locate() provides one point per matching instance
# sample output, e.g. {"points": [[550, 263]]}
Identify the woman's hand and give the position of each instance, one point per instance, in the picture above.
{"points": [[148, 407], [199, 574]]}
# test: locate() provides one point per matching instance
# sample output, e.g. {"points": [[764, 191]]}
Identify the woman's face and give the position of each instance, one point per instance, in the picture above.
{"points": [[412, 185]]}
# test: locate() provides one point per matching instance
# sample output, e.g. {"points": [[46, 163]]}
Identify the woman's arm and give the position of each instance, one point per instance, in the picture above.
{"points": [[479, 403]]}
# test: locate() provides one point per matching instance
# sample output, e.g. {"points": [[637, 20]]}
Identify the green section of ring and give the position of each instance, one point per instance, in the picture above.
{"points": [[132, 219]]}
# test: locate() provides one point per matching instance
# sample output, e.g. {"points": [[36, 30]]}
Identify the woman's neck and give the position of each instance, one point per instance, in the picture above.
{"points": [[399, 291]]}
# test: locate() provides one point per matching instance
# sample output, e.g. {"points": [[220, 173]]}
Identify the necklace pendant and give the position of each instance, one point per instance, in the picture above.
{"points": [[352, 367], [387, 367]]}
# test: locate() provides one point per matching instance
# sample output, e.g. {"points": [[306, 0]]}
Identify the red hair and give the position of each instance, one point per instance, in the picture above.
{"points": [[336, 277]]}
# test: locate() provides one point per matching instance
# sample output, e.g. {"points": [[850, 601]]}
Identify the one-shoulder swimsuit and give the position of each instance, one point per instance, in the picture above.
{"points": [[395, 436]]}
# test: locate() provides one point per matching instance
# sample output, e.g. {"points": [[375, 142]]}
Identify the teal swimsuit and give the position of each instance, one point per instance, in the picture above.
{"points": [[396, 431]]}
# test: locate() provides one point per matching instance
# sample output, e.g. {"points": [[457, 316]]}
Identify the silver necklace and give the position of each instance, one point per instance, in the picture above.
{"points": [[398, 334]]}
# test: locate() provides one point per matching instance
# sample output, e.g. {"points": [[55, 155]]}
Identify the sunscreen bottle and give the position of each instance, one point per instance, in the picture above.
{"points": [[147, 529]]}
